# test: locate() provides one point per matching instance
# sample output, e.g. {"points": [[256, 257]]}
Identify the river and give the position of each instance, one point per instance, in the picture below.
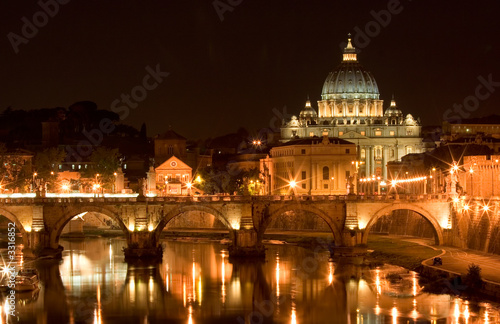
{"points": [[197, 283]]}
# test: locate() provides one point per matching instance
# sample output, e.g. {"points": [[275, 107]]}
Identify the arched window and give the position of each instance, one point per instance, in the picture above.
{"points": [[326, 173]]}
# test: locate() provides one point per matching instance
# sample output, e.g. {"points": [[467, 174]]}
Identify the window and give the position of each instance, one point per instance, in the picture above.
{"points": [[347, 151], [409, 150], [60, 166], [303, 186], [391, 133], [378, 133], [326, 173], [303, 151], [79, 166], [341, 133], [363, 153], [325, 133], [311, 134], [363, 133], [303, 175], [125, 166], [325, 186], [171, 150], [73, 166], [350, 110], [360, 110]]}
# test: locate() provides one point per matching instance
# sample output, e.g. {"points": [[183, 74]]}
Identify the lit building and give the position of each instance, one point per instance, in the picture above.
{"points": [[480, 176], [350, 109], [314, 166], [173, 177], [481, 131]]}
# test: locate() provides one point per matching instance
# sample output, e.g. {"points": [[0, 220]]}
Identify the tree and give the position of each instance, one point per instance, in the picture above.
{"points": [[15, 170], [105, 163], [473, 279], [243, 182], [46, 165]]}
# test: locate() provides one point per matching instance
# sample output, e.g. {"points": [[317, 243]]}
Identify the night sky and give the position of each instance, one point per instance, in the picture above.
{"points": [[264, 54]]}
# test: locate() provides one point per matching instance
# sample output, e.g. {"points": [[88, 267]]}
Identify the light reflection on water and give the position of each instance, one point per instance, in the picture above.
{"points": [[196, 283]]}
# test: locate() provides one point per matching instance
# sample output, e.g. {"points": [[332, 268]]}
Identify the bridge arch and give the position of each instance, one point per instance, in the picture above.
{"points": [[72, 211], [419, 210], [13, 218], [177, 211], [301, 207]]}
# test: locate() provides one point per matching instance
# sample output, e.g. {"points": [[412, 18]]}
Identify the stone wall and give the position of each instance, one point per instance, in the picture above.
{"points": [[195, 219], [298, 221]]}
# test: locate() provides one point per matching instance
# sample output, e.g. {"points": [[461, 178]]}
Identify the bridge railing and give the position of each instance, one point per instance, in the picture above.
{"points": [[221, 198]]}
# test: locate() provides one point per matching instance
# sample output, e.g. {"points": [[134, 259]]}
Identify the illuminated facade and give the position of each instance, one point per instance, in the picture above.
{"points": [[173, 177], [350, 109], [481, 175], [314, 166]]}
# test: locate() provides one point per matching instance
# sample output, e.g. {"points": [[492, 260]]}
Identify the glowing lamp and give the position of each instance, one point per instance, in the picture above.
{"points": [[150, 227], [293, 184], [235, 225], [131, 227]]}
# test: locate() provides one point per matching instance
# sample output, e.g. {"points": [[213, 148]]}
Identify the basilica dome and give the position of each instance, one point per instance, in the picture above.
{"points": [[350, 80]]}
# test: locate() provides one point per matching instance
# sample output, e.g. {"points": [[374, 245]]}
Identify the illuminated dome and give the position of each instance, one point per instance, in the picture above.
{"points": [[308, 111], [350, 80], [393, 110]]}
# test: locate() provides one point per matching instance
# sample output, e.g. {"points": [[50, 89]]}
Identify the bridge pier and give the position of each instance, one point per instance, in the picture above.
{"points": [[37, 245], [143, 245], [352, 250], [246, 243]]}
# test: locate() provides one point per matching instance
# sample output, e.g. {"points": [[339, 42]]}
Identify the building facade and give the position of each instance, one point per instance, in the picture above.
{"points": [[481, 131], [351, 109], [312, 166], [173, 177], [480, 176]]}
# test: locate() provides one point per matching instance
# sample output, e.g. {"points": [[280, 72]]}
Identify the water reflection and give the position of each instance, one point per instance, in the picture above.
{"points": [[197, 283]]}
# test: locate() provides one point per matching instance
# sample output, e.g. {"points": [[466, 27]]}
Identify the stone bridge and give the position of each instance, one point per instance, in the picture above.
{"points": [[142, 219]]}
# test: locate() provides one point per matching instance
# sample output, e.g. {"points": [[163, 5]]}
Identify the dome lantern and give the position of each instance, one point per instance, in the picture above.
{"points": [[349, 51]]}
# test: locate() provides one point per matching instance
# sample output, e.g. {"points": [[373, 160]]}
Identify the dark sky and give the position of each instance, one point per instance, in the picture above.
{"points": [[265, 54]]}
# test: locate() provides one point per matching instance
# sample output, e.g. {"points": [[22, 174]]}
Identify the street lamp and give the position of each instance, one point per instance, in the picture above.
{"points": [[33, 182], [188, 186], [292, 185], [96, 187]]}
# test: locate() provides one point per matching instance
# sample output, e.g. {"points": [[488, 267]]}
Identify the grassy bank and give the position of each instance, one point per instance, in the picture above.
{"points": [[398, 252]]}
